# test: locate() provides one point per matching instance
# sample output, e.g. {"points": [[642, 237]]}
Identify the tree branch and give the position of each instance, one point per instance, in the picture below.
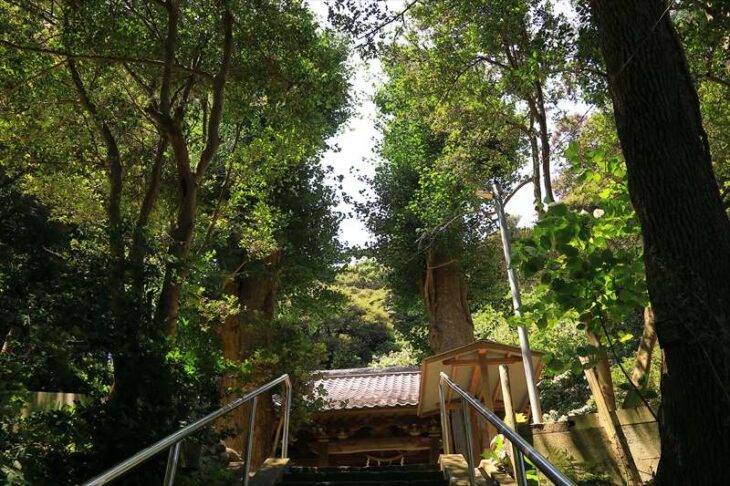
{"points": [[148, 203], [226, 184], [31, 78], [371, 33], [216, 111], [517, 188], [114, 162], [173, 11], [100, 57], [492, 61], [34, 9], [717, 79]]}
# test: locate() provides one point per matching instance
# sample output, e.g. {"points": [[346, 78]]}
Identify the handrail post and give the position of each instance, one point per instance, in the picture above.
{"points": [[287, 414], [445, 426], [469, 443], [172, 459], [519, 459], [249, 440]]}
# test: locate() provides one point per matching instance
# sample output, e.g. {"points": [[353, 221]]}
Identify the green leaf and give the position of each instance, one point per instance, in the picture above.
{"points": [[625, 337]]}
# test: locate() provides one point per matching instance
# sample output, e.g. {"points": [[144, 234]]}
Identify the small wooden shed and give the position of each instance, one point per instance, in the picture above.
{"points": [[475, 368]]}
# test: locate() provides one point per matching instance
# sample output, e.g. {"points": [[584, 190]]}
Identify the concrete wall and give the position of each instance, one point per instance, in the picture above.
{"points": [[583, 438], [41, 401]]}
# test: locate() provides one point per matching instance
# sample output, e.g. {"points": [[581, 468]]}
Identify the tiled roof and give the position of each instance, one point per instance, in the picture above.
{"points": [[354, 388]]}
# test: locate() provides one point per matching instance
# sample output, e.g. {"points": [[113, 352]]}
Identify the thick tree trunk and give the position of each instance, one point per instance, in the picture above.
{"points": [[685, 230], [231, 384], [444, 295], [642, 362], [241, 337]]}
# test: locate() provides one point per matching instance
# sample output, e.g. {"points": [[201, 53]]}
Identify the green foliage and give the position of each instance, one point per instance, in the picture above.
{"points": [[702, 27], [439, 147], [581, 473], [562, 391], [83, 310], [584, 263], [589, 264], [360, 326]]}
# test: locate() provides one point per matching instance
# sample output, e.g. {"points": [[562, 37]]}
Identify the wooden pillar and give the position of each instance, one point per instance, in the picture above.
{"points": [[435, 449], [509, 409], [477, 425], [489, 431], [323, 446]]}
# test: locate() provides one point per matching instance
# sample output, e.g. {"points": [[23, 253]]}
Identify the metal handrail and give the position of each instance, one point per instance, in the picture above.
{"points": [[174, 440], [520, 446]]}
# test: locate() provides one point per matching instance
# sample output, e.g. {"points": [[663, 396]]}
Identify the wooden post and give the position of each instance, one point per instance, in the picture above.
{"points": [[486, 395], [435, 449], [612, 427], [323, 452], [509, 409]]}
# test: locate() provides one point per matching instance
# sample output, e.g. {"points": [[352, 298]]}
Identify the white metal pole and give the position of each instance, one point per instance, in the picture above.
{"points": [[517, 303]]}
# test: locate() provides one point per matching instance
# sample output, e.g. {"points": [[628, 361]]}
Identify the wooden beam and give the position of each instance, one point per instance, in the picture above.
{"points": [[475, 378], [402, 410], [454, 405], [489, 431], [509, 411], [476, 362], [496, 390], [375, 444], [452, 375]]}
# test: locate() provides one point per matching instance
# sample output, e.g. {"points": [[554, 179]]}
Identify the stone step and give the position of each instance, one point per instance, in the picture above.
{"points": [[341, 482], [406, 467], [416, 475], [363, 476]]}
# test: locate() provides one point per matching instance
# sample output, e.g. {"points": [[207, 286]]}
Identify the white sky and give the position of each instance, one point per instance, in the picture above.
{"points": [[357, 143]]}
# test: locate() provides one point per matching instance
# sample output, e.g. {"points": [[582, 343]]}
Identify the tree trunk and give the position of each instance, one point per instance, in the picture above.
{"points": [[545, 149], [139, 248], [444, 294], [535, 152], [178, 251], [685, 230], [241, 337], [642, 362], [190, 179], [11, 336]]}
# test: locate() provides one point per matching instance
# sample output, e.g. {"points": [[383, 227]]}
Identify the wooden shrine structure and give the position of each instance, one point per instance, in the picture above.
{"points": [[381, 416]]}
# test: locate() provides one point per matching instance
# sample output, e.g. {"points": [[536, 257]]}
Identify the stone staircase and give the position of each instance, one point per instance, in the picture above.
{"points": [[418, 475]]}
